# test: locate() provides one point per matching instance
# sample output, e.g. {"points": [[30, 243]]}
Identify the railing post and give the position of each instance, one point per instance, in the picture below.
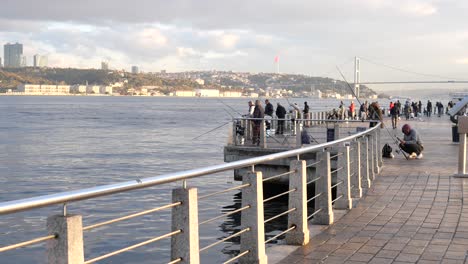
{"points": [[185, 217], [371, 147], [379, 146], [377, 153], [323, 187], [298, 130], [254, 239], [298, 200], [356, 190], [346, 202], [262, 135], [67, 248], [234, 134], [248, 129], [365, 177]]}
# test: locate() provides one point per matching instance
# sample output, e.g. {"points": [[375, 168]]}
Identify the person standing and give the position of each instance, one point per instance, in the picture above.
{"points": [[411, 142], [306, 114], [281, 114], [429, 108], [375, 114], [394, 113], [269, 108], [351, 110], [258, 114]]}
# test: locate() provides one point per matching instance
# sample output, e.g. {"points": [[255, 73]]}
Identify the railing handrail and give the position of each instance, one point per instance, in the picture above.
{"points": [[103, 190]]}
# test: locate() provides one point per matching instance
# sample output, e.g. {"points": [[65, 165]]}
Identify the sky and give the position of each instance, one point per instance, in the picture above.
{"points": [[396, 40]]}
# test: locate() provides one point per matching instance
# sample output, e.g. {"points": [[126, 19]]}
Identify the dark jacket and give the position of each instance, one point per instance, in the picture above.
{"points": [[280, 111], [269, 109], [258, 113]]}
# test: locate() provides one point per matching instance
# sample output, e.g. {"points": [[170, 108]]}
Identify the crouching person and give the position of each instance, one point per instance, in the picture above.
{"points": [[411, 142]]}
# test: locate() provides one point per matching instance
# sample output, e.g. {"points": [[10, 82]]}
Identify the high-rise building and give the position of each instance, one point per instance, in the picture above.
{"points": [[13, 54], [104, 65], [135, 69], [40, 60]]}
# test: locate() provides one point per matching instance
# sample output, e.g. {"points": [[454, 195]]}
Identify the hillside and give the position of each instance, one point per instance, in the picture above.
{"points": [[10, 78]]}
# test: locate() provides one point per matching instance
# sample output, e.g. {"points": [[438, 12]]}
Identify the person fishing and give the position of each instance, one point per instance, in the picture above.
{"points": [[257, 113], [281, 114], [411, 142]]}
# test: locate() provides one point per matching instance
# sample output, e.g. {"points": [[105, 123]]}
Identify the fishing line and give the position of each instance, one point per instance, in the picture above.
{"points": [[218, 127], [394, 138]]}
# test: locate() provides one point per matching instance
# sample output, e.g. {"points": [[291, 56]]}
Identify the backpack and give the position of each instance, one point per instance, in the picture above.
{"points": [[387, 151]]}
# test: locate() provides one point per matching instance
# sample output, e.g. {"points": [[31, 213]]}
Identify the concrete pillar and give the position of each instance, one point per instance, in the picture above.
{"points": [[298, 200], [323, 186], [337, 131], [67, 248], [356, 191], [346, 202], [185, 217], [263, 135], [370, 156], [365, 176], [254, 239]]}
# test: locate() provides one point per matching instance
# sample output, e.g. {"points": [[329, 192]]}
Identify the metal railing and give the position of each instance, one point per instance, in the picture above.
{"points": [[354, 165]]}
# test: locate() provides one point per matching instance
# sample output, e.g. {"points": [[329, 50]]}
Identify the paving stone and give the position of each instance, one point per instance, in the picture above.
{"points": [[407, 257]]}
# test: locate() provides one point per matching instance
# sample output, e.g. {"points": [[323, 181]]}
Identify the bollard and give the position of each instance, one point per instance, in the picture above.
{"points": [[67, 248], [365, 176], [346, 202], [298, 200], [323, 186], [356, 191], [254, 239], [185, 217]]}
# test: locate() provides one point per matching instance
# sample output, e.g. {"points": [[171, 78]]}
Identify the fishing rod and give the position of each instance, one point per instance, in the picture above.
{"points": [[230, 107], [394, 138], [218, 127]]}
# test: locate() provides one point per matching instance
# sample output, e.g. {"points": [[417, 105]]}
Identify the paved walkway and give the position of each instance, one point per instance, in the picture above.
{"points": [[414, 211]]}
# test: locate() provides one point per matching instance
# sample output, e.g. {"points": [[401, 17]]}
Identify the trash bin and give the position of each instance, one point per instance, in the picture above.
{"points": [[455, 135]]}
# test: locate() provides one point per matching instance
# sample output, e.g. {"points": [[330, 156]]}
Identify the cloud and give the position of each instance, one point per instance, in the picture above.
{"points": [[419, 9]]}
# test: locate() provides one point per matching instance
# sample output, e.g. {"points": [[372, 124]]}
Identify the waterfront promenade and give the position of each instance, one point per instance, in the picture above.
{"points": [[414, 211]]}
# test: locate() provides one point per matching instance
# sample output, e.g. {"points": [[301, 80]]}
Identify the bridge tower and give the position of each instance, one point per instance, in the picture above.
{"points": [[357, 76]]}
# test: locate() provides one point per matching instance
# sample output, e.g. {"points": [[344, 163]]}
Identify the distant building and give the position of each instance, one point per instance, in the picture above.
{"points": [[163, 71], [228, 93], [24, 61], [93, 89], [1, 65], [103, 89], [78, 89], [13, 54], [104, 65], [46, 89], [200, 81], [207, 92], [135, 70], [40, 60]]}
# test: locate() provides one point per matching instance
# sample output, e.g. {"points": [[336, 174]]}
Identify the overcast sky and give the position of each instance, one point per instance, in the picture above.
{"points": [[310, 37]]}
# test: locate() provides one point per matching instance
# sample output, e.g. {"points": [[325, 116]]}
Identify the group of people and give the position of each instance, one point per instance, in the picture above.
{"points": [[411, 142], [258, 113]]}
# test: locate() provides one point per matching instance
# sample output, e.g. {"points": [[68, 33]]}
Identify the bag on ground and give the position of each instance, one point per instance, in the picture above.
{"points": [[387, 151]]}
